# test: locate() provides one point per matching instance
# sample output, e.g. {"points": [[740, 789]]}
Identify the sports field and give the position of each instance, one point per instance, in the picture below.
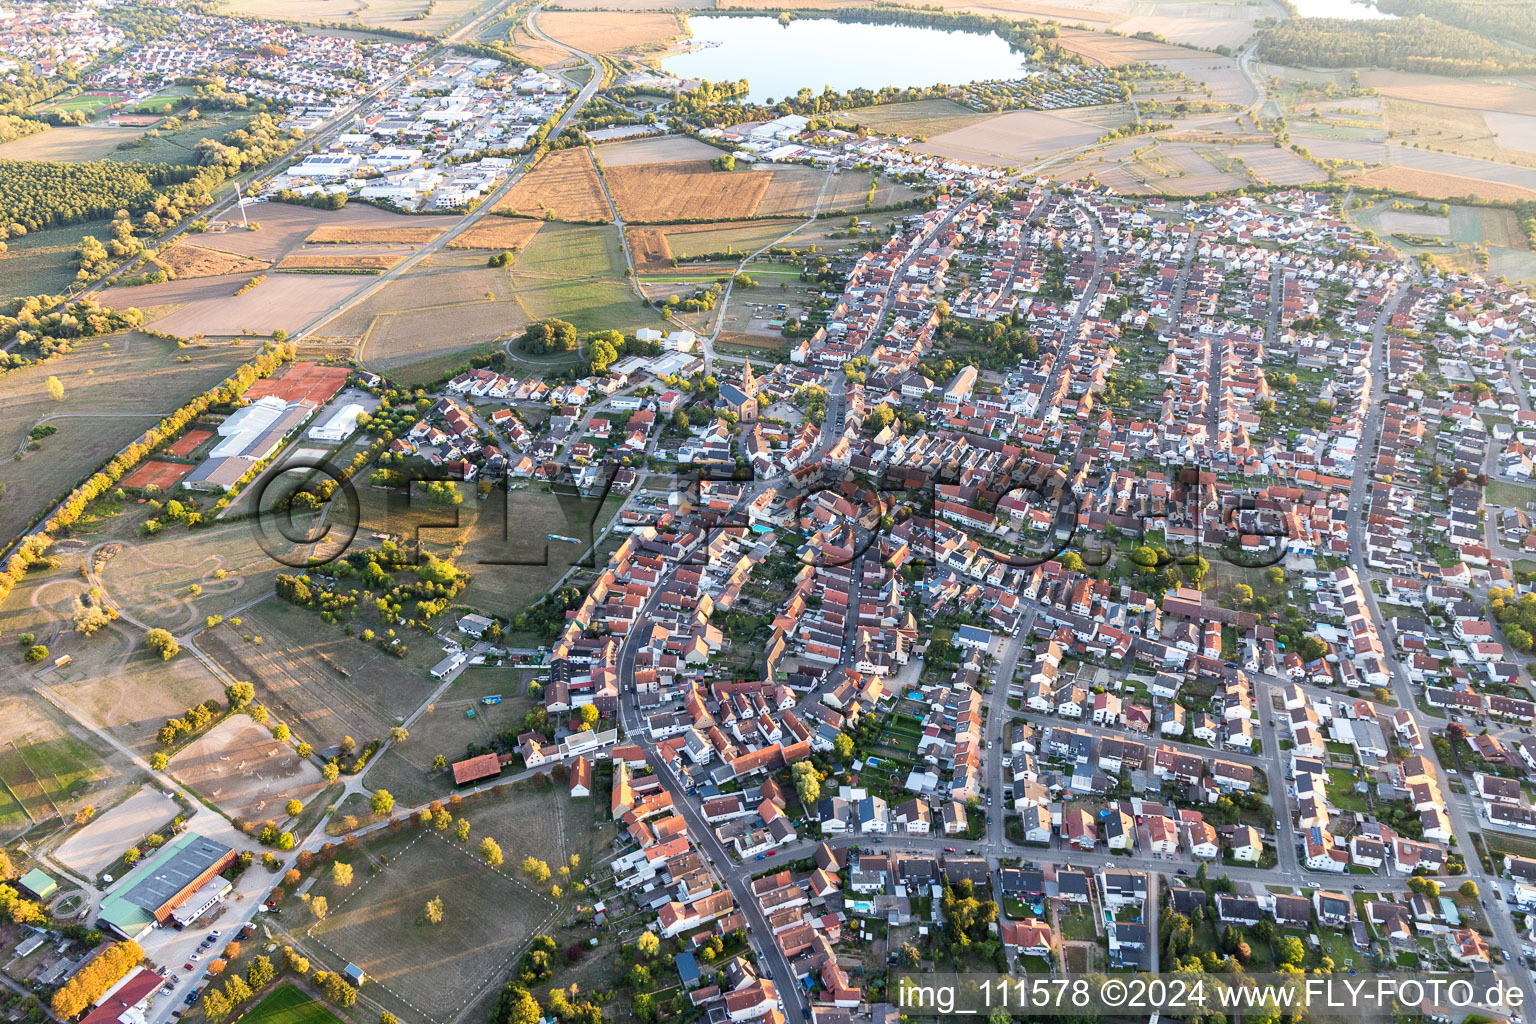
{"points": [[287, 1005]]}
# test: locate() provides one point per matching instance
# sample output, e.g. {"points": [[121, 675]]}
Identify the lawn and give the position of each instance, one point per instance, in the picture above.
{"points": [[287, 1005], [43, 262], [1501, 492], [1077, 925], [576, 272]]}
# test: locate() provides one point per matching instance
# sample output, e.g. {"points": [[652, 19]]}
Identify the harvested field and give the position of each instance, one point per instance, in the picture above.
{"points": [[1206, 25], [1393, 221], [604, 32], [535, 50], [187, 443], [1492, 172], [153, 472], [795, 190], [1450, 92], [1116, 50], [1435, 185], [98, 845], [1016, 137], [369, 262], [408, 235], [248, 774], [922, 118], [189, 260], [377, 924], [1277, 166], [690, 190], [1515, 131], [210, 306], [640, 5], [283, 227], [503, 233], [69, 142], [564, 184], [666, 149]]}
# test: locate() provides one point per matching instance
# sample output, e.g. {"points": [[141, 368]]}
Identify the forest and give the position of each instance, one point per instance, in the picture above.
{"points": [[41, 194], [1409, 44], [1514, 20]]}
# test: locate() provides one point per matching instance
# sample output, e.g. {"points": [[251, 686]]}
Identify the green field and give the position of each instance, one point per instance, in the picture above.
{"points": [[287, 1005], [164, 101], [43, 262], [576, 272], [923, 117], [1501, 492], [738, 238]]}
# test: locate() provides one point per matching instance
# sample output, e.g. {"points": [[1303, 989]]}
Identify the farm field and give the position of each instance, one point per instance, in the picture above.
{"points": [[653, 248], [283, 227], [1516, 264], [97, 416], [69, 142], [377, 923], [1437, 185], [447, 730], [531, 48], [1515, 131], [342, 259], [921, 118], [608, 32], [209, 306], [666, 149], [1457, 129], [1471, 93], [563, 184], [403, 322], [1205, 25], [293, 10], [1012, 138], [505, 233], [365, 234], [691, 190], [287, 1005], [1116, 50], [248, 774], [576, 272], [1497, 175], [98, 845], [190, 260]]}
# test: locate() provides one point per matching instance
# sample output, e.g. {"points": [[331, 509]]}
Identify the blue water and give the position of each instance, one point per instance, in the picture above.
{"points": [[810, 53]]}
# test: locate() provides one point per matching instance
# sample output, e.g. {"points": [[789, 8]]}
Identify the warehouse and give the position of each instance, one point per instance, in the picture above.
{"points": [[339, 427], [150, 893]]}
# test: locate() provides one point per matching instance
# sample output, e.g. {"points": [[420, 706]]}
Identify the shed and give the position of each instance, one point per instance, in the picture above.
{"points": [[39, 884], [688, 970]]}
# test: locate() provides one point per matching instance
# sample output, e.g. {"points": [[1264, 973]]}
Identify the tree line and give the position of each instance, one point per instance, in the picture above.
{"points": [[1497, 19]]}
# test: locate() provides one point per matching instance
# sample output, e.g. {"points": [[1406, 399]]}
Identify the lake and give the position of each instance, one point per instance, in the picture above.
{"points": [[809, 53], [1349, 10]]}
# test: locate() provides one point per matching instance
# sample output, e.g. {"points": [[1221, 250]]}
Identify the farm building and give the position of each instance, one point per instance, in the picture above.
{"points": [[473, 769], [151, 892]]}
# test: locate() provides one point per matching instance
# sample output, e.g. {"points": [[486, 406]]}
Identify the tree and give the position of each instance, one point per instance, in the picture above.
{"points": [[490, 849], [330, 771], [158, 761], [648, 944], [85, 814], [908, 956], [398, 734], [294, 808], [295, 961], [439, 763], [1072, 561], [516, 1006], [239, 695], [382, 802], [215, 1007], [536, 871], [1289, 950], [236, 990], [1468, 889], [319, 907], [1243, 594], [162, 643], [37, 652], [55, 388], [442, 820], [280, 732], [461, 830], [807, 782], [433, 911], [843, 744], [341, 874]]}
